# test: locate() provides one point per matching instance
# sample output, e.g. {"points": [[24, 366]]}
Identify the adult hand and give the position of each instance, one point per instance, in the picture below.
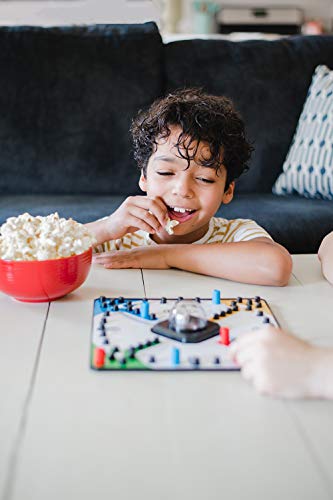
{"points": [[277, 363]]}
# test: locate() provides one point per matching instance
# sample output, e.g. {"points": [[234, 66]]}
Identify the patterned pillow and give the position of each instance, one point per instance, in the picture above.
{"points": [[308, 168]]}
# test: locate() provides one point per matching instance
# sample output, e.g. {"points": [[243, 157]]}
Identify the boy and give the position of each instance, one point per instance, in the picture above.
{"points": [[280, 364], [190, 147]]}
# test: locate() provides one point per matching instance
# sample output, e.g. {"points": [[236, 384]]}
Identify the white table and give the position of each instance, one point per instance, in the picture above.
{"points": [[69, 433]]}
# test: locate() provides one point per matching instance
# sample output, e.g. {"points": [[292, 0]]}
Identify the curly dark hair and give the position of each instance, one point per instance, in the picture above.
{"points": [[202, 117]]}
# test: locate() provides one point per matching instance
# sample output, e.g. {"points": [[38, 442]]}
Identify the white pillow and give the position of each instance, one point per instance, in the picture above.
{"points": [[308, 168]]}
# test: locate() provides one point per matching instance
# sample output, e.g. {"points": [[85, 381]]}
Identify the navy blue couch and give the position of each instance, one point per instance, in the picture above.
{"points": [[68, 96]]}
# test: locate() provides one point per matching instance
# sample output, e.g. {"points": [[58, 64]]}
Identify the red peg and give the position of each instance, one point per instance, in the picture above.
{"points": [[99, 357], [224, 335]]}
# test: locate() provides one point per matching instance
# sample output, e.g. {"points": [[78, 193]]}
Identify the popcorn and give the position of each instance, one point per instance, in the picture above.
{"points": [[170, 225], [42, 238]]}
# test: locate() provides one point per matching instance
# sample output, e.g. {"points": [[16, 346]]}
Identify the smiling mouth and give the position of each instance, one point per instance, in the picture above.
{"points": [[180, 214]]}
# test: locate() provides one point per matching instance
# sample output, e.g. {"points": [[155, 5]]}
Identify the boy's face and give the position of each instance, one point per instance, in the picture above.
{"points": [[199, 190]]}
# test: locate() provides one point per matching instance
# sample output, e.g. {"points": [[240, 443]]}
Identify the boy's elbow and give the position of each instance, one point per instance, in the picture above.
{"points": [[280, 268], [283, 270]]}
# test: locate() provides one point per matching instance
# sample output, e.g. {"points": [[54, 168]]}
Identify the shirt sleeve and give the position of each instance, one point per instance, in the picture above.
{"points": [[127, 242], [107, 246], [245, 230]]}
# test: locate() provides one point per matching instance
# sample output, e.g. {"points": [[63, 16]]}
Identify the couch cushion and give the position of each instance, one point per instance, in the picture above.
{"points": [[67, 97], [308, 168], [268, 82], [295, 222]]}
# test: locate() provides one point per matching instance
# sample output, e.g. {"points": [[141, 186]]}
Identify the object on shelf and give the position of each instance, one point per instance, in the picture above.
{"points": [[204, 19], [313, 27], [172, 11], [281, 20]]}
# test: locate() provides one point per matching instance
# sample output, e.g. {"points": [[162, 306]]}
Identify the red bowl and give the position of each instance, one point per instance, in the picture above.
{"points": [[44, 280]]}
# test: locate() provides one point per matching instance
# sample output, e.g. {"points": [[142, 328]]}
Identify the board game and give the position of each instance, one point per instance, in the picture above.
{"points": [[172, 334]]}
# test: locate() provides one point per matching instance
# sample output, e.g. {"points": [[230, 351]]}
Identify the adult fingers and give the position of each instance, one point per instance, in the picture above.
{"points": [[245, 355], [252, 337], [248, 371]]}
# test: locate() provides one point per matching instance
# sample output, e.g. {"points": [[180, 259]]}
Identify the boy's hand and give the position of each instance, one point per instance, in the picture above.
{"points": [[137, 212], [277, 363], [150, 257]]}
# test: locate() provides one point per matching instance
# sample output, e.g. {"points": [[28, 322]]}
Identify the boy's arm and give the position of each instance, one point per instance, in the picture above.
{"points": [[325, 255], [99, 229], [260, 261]]}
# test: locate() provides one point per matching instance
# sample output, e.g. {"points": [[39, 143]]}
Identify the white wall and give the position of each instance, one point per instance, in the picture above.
{"points": [[62, 12]]}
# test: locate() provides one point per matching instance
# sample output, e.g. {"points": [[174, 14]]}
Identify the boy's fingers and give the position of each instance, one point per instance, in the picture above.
{"points": [[163, 208], [101, 255], [102, 262], [114, 259], [153, 206], [141, 224], [139, 216], [118, 264], [159, 209]]}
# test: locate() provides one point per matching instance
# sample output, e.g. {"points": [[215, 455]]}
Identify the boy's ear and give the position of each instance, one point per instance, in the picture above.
{"points": [[228, 194], [143, 182]]}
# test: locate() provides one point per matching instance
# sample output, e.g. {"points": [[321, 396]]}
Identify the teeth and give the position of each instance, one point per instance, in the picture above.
{"points": [[181, 210]]}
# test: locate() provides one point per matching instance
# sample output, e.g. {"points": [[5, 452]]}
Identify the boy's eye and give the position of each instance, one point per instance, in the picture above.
{"points": [[164, 173], [207, 181]]}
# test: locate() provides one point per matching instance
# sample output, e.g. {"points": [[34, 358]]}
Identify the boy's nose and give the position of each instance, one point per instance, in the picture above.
{"points": [[182, 188]]}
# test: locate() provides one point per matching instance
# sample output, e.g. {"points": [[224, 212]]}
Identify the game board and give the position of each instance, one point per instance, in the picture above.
{"points": [[122, 338]]}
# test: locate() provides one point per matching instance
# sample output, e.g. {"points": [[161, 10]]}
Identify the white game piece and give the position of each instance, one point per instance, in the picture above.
{"points": [[187, 315], [170, 225]]}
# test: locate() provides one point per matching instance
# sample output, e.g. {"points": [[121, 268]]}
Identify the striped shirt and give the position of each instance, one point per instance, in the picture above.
{"points": [[219, 231]]}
